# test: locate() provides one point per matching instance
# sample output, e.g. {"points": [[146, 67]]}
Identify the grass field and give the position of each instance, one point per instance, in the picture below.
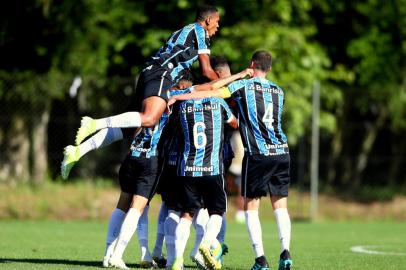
{"points": [[80, 245]]}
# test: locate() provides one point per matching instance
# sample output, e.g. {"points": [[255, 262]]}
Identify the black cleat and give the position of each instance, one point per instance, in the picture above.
{"points": [[260, 264], [285, 261]]}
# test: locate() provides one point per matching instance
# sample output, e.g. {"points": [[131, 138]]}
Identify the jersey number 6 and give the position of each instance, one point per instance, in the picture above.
{"points": [[199, 137]]}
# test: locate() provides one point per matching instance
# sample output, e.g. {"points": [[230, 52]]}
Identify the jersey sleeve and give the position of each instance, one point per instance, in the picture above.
{"points": [[236, 87], [180, 91], [227, 110], [203, 45]]}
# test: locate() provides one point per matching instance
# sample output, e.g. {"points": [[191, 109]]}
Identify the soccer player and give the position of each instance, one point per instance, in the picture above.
{"points": [[201, 170], [140, 173], [266, 162], [161, 72]]}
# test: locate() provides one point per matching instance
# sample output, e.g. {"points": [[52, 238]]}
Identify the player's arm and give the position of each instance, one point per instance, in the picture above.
{"points": [[224, 81], [220, 93], [231, 119], [207, 70]]}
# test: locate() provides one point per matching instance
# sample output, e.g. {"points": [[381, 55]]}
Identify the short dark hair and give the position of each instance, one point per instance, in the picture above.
{"points": [[218, 62], [187, 76], [262, 60], [204, 11]]}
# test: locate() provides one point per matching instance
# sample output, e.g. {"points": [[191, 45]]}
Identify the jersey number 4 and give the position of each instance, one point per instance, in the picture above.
{"points": [[268, 115], [199, 137]]}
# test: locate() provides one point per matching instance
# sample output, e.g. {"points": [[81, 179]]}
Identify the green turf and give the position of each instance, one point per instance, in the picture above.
{"points": [[80, 245]]}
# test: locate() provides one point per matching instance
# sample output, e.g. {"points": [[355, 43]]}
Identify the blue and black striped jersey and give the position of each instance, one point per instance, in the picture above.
{"points": [[182, 49], [172, 138], [145, 143], [260, 104], [203, 128]]}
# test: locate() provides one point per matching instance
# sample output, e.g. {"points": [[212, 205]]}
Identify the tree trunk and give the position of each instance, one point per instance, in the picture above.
{"points": [[15, 147], [39, 138], [368, 143]]}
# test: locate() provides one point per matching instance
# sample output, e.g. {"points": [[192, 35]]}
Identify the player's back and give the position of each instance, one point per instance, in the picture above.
{"points": [[182, 47], [260, 103], [203, 127]]}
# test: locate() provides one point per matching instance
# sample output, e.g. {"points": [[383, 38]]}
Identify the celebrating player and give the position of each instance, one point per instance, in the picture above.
{"points": [[266, 162], [201, 171], [160, 73]]}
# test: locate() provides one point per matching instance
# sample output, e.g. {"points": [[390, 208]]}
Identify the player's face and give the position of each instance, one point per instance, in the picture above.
{"points": [[212, 24]]}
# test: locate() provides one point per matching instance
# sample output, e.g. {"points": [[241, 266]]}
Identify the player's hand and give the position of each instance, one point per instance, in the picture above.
{"points": [[246, 72], [171, 101]]}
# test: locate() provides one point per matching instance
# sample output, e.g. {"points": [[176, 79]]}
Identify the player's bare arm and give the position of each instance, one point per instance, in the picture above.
{"points": [[212, 89], [206, 68]]}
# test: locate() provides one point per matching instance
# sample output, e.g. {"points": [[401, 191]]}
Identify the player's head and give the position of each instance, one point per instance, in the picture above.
{"points": [[186, 81], [261, 60], [220, 66], [209, 18]]}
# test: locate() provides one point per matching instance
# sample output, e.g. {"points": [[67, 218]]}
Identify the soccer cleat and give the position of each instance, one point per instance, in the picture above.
{"points": [[260, 264], [210, 256], [199, 261], [285, 261], [177, 264], [71, 155], [148, 264], [117, 263], [87, 127], [106, 261], [160, 261]]}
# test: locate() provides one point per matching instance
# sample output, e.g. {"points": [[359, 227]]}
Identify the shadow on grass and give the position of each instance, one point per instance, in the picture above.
{"points": [[59, 261], [72, 262]]}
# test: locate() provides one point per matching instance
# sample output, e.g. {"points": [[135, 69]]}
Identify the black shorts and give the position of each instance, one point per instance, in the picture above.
{"points": [[170, 188], [206, 189], [138, 176], [263, 174], [154, 80]]}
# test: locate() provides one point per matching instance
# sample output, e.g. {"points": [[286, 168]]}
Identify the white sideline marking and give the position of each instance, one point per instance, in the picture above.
{"points": [[367, 250]]}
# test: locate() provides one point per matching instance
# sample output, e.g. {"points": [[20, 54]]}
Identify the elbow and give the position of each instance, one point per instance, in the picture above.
{"points": [[210, 74]]}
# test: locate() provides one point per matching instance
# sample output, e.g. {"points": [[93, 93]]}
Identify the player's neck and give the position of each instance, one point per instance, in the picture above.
{"points": [[259, 73]]}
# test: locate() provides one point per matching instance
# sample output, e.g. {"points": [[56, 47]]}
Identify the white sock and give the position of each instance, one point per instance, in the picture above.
{"points": [[160, 233], [181, 236], [127, 230], [142, 232], [199, 222], [254, 231], [171, 223], [124, 120], [222, 234], [284, 227], [213, 228], [116, 219], [102, 138]]}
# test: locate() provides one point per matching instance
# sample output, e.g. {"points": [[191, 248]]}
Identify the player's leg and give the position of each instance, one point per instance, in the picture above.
{"points": [[215, 198], [160, 235], [279, 205], [171, 223], [154, 107], [253, 224], [140, 182], [182, 234], [191, 203], [252, 189], [72, 154], [199, 222], [115, 222], [152, 90], [142, 233], [278, 186]]}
